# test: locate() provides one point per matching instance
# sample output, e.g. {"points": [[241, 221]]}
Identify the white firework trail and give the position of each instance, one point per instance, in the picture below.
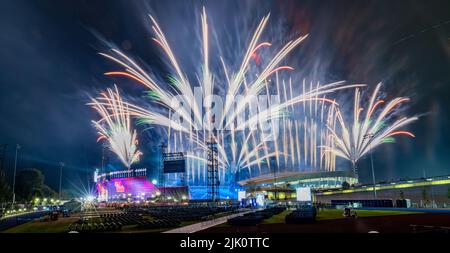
{"points": [[115, 126], [355, 139]]}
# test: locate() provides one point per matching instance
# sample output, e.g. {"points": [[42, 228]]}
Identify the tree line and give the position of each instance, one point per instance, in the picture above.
{"points": [[29, 185]]}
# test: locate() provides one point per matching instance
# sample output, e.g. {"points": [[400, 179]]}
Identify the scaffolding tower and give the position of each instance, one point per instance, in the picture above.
{"points": [[213, 169]]}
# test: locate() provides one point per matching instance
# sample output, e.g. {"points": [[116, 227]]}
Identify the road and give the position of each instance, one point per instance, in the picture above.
{"points": [[12, 221]]}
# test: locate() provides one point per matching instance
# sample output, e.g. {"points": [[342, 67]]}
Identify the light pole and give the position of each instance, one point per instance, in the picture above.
{"points": [[275, 181], [14, 175], [104, 146], [61, 165], [433, 202], [370, 136]]}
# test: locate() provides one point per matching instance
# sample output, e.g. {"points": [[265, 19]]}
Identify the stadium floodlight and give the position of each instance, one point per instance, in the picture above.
{"points": [[90, 198]]}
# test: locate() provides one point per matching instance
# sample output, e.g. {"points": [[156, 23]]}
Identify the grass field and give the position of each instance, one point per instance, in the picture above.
{"points": [[59, 226], [329, 214], [279, 218]]}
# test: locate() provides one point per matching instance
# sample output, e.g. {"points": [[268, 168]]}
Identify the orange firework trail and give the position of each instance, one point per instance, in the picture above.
{"points": [[356, 139]]}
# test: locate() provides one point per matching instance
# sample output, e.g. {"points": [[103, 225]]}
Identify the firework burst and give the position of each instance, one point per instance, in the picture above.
{"points": [[240, 146], [355, 139], [115, 126]]}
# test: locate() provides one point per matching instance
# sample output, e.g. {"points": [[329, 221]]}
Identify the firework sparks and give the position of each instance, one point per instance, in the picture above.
{"points": [[237, 147], [115, 126], [355, 140]]}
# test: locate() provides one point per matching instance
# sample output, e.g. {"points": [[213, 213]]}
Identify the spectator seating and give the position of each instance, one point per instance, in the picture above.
{"points": [[82, 226], [182, 213], [251, 219], [302, 215], [159, 217]]}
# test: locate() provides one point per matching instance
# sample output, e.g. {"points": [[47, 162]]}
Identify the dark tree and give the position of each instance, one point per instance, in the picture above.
{"points": [[30, 184], [5, 189], [345, 185]]}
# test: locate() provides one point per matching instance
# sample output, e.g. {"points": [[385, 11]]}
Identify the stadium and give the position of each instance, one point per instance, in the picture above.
{"points": [[133, 186], [234, 116], [120, 185], [282, 186]]}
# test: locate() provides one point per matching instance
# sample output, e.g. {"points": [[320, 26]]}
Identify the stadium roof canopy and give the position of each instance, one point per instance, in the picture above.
{"points": [[290, 176]]}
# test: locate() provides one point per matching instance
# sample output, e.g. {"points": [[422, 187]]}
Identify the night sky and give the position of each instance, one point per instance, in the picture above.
{"points": [[49, 67]]}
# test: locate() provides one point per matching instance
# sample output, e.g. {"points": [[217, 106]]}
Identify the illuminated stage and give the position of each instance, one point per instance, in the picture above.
{"points": [[132, 188], [141, 189]]}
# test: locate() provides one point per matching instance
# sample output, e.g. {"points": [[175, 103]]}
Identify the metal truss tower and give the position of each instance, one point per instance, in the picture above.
{"points": [[213, 169]]}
